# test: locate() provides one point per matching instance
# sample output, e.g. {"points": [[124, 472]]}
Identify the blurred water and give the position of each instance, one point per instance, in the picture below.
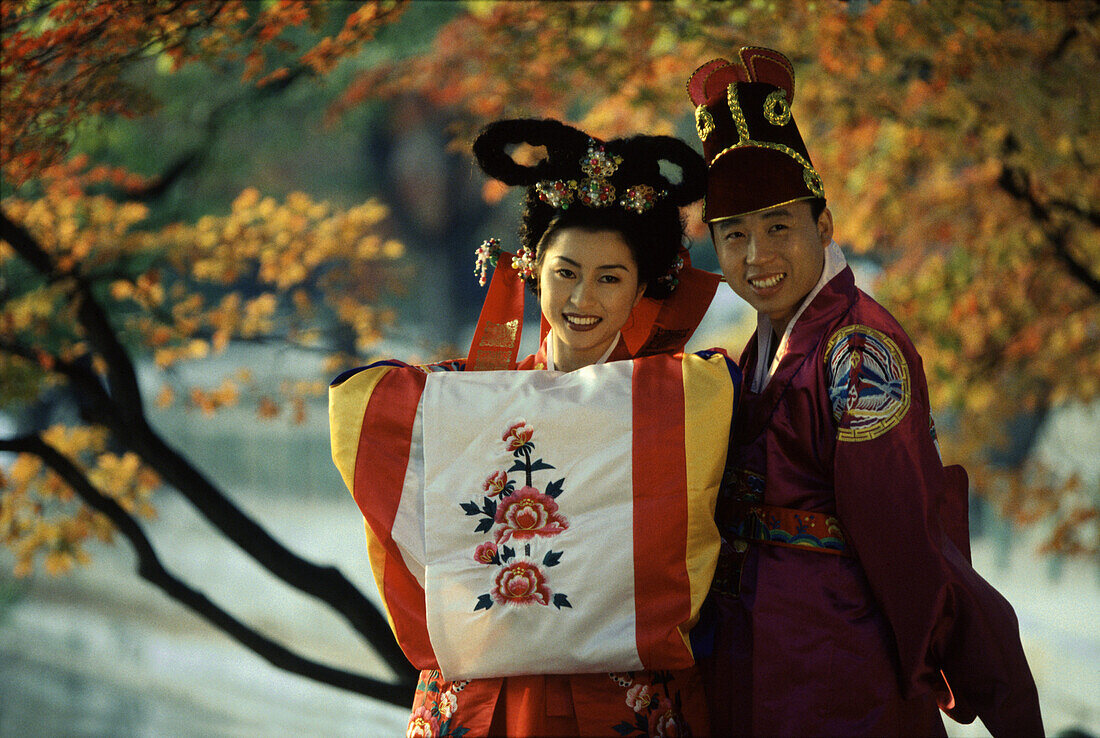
{"points": [[102, 653]]}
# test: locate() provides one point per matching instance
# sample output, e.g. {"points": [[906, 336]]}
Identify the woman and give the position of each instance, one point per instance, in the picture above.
{"points": [[601, 229]]}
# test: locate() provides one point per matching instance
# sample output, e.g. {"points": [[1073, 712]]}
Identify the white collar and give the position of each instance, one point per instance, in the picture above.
{"points": [[834, 265], [550, 350]]}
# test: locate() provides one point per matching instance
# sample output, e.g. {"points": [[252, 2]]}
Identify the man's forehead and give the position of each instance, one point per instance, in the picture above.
{"points": [[778, 212]]}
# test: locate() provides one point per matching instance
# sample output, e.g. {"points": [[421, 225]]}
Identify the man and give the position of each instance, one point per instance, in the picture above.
{"points": [[845, 602]]}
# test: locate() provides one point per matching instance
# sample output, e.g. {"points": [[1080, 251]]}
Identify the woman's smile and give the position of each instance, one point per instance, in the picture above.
{"points": [[588, 284]]}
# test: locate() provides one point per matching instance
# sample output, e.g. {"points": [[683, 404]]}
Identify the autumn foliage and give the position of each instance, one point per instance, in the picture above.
{"points": [[959, 149], [88, 289]]}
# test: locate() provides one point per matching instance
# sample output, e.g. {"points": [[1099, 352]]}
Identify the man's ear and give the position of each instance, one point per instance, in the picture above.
{"points": [[825, 227]]}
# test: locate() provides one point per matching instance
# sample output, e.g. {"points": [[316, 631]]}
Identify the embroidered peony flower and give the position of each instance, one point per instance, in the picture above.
{"points": [[486, 553], [517, 435], [639, 697], [422, 724], [528, 513], [495, 483], [448, 703], [522, 583], [666, 723]]}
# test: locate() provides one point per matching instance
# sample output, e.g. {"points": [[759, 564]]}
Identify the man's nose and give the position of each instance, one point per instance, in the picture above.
{"points": [[756, 252]]}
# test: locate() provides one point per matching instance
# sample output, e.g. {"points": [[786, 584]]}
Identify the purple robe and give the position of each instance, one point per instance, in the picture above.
{"points": [[809, 642]]}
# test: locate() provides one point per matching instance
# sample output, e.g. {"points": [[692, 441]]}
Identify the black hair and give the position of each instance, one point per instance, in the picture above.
{"points": [[654, 236], [817, 207]]}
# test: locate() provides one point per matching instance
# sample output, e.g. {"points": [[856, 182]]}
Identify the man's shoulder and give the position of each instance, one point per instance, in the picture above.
{"points": [[867, 313]]}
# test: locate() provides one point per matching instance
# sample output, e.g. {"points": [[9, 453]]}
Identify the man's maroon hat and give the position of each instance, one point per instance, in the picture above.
{"points": [[755, 155]]}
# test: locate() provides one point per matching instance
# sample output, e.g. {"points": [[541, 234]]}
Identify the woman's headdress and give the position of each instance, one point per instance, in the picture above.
{"points": [[620, 180], [583, 170]]}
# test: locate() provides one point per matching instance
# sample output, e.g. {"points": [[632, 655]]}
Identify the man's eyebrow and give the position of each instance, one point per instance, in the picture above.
{"points": [[781, 213]]}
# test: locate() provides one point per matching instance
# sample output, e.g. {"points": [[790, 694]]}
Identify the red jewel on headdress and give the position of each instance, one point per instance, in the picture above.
{"points": [[640, 198], [596, 193], [557, 194], [597, 163]]}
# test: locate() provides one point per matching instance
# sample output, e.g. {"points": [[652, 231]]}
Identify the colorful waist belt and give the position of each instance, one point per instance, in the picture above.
{"points": [[783, 526]]}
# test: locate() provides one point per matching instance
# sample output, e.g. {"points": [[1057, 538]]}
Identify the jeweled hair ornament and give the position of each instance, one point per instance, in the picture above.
{"points": [[580, 169], [625, 178]]}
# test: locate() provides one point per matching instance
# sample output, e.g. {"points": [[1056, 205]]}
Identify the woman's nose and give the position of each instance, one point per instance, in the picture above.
{"points": [[583, 293]]}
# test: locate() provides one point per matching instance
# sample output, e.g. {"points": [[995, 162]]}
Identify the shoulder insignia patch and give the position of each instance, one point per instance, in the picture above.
{"points": [[868, 382]]}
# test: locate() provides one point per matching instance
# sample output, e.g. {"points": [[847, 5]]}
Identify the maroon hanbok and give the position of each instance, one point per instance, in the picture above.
{"points": [[845, 602]]}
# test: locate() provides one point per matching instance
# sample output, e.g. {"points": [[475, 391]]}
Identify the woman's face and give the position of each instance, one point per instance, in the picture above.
{"points": [[588, 284]]}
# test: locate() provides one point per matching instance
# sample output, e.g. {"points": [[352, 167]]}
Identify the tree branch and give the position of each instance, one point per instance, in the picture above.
{"points": [[151, 569], [196, 156], [130, 427], [121, 379], [1017, 183]]}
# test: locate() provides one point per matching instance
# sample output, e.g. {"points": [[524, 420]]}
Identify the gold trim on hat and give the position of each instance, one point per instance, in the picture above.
{"points": [[752, 212], [810, 177], [704, 122], [776, 108], [742, 53], [738, 116]]}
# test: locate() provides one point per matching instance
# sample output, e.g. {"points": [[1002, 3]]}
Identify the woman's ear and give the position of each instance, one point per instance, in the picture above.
{"points": [[638, 297]]}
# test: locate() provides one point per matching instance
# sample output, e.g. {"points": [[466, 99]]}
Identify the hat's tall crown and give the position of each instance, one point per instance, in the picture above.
{"points": [[755, 156]]}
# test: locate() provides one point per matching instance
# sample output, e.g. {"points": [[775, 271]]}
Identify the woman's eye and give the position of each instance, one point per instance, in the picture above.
{"points": [[565, 273], [609, 279]]}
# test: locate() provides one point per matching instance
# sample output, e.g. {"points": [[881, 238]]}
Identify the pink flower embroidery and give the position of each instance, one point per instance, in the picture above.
{"points": [[422, 724], [496, 483], [665, 722], [485, 553], [517, 435], [639, 696], [448, 703], [528, 513], [522, 583]]}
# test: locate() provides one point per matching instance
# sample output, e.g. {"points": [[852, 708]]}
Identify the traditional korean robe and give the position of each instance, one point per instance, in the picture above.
{"points": [[845, 617], [641, 703]]}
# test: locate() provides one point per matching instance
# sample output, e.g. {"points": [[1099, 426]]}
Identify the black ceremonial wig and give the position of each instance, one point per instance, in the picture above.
{"points": [[655, 236]]}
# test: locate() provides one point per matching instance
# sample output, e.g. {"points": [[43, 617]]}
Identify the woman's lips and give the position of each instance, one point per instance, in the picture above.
{"points": [[581, 322]]}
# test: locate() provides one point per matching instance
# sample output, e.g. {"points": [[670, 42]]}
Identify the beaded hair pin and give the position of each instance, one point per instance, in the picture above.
{"points": [[595, 189], [488, 253]]}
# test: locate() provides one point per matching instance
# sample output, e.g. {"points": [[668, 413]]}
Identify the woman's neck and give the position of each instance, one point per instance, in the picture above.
{"points": [[564, 359]]}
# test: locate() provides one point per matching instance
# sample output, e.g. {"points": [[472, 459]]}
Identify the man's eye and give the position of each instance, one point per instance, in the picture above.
{"points": [[779, 227]]}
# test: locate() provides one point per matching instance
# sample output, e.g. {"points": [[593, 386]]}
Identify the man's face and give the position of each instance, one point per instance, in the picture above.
{"points": [[773, 258]]}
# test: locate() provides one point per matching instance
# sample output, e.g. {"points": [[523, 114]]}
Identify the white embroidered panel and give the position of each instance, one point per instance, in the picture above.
{"points": [[556, 559]]}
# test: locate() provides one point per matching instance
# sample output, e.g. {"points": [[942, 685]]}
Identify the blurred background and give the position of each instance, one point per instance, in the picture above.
{"points": [[211, 208]]}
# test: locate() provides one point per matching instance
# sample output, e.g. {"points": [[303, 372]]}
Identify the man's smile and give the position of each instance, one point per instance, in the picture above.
{"points": [[766, 281]]}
